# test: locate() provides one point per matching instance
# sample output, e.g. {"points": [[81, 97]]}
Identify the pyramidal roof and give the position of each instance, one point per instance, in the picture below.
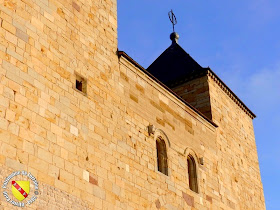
{"points": [[174, 65]]}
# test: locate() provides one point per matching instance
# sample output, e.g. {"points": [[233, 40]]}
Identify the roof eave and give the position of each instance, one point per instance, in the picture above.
{"points": [[230, 92], [122, 53]]}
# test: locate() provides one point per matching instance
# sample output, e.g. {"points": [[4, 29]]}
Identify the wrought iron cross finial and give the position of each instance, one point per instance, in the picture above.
{"points": [[172, 19]]}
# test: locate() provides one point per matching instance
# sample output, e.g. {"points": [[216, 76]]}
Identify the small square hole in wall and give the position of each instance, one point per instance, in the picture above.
{"points": [[81, 84]]}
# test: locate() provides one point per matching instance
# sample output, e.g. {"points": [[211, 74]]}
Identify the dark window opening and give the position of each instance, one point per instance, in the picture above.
{"points": [[81, 84], [192, 174], [162, 157]]}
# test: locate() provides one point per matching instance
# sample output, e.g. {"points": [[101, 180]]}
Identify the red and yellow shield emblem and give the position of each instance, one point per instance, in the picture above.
{"points": [[20, 189]]}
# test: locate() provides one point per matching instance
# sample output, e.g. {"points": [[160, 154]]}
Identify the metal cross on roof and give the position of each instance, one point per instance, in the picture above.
{"points": [[172, 19]]}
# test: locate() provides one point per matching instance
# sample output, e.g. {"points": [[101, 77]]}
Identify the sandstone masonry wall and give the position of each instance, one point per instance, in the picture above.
{"points": [[239, 173], [196, 92], [93, 150], [239, 181]]}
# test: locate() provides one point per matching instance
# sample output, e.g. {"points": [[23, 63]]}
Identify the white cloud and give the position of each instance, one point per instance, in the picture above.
{"points": [[260, 89], [264, 86]]}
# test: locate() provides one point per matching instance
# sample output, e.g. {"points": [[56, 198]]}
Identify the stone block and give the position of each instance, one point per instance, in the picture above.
{"points": [[9, 27], [58, 161], [45, 155], [13, 128], [74, 130], [56, 129], [66, 177], [14, 54], [15, 165], [93, 180], [99, 192], [61, 185], [86, 175], [21, 99], [188, 199], [4, 102], [22, 35], [43, 177], [22, 156], [4, 124], [2, 112], [28, 147], [10, 115], [37, 163], [7, 150], [53, 171], [8, 93], [76, 6]]}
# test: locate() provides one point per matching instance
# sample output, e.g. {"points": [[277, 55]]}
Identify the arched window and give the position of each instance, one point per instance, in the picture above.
{"points": [[192, 174], [162, 157]]}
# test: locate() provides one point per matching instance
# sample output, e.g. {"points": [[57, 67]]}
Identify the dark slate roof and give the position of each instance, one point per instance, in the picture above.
{"points": [[174, 65]]}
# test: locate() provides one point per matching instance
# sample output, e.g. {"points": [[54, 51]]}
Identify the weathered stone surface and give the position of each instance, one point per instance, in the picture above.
{"points": [[189, 199], [92, 180], [20, 34], [157, 204], [209, 198], [94, 151]]}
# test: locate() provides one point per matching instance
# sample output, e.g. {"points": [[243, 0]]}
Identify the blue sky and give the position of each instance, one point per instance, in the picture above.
{"points": [[239, 40]]}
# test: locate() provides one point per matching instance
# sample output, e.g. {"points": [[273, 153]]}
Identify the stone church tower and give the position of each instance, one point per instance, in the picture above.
{"points": [[98, 131]]}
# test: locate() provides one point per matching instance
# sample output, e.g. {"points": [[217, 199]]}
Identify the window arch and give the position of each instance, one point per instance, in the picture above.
{"points": [[192, 174], [162, 156]]}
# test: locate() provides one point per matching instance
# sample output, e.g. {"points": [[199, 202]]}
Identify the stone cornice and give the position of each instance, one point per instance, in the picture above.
{"points": [[230, 93]]}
